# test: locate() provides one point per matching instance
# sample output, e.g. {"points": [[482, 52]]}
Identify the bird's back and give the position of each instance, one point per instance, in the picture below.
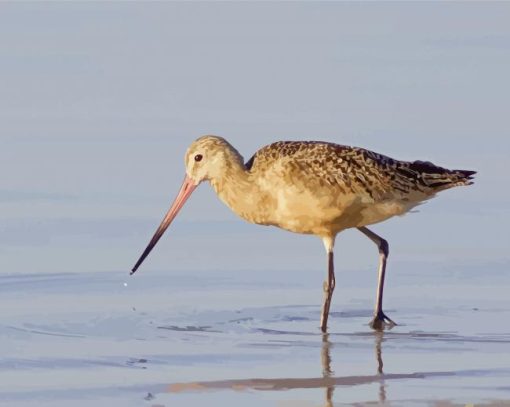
{"points": [[356, 186]]}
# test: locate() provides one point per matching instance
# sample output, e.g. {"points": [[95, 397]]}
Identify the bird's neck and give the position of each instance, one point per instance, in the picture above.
{"points": [[235, 186]]}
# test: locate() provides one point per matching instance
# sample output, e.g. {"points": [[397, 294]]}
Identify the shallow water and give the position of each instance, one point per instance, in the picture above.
{"points": [[221, 338]]}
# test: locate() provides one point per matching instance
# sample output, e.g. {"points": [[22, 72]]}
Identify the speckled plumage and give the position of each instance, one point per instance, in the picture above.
{"points": [[354, 169]]}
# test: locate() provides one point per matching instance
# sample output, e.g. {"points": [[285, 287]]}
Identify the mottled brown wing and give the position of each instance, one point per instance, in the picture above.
{"points": [[349, 169], [359, 171]]}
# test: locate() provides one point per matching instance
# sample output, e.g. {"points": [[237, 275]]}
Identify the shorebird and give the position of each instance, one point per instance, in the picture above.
{"points": [[313, 187]]}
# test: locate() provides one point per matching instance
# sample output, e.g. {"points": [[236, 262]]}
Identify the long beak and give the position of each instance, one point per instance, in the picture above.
{"points": [[188, 186]]}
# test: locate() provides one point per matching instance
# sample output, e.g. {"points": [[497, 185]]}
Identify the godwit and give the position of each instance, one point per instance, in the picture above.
{"points": [[314, 188]]}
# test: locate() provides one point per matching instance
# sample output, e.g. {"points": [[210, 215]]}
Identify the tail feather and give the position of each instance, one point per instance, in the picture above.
{"points": [[438, 178], [465, 176]]}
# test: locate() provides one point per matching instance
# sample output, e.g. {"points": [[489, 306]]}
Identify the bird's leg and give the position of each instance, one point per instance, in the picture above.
{"points": [[380, 319], [328, 286]]}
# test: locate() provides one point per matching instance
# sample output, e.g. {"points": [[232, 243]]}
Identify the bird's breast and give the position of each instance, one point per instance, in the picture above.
{"points": [[308, 212]]}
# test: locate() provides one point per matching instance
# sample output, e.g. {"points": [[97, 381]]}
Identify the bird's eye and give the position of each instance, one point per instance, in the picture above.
{"points": [[198, 157]]}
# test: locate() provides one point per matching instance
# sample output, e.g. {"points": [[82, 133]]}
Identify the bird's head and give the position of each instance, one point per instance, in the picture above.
{"points": [[208, 158]]}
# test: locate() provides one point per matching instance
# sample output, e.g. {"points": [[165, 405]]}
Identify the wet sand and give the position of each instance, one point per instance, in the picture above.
{"points": [[218, 338]]}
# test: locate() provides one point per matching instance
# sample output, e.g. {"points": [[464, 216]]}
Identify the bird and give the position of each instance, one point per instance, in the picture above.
{"points": [[313, 187]]}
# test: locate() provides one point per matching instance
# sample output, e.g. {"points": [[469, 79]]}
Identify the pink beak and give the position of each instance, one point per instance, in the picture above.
{"points": [[188, 186]]}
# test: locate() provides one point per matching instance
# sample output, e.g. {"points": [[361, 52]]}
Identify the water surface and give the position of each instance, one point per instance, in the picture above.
{"points": [[229, 339]]}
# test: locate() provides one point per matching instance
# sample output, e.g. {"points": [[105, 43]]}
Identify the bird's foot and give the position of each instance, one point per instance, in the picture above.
{"points": [[381, 321]]}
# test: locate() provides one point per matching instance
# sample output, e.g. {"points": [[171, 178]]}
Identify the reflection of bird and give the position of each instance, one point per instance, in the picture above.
{"points": [[327, 373], [313, 188], [380, 364], [329, 380]]}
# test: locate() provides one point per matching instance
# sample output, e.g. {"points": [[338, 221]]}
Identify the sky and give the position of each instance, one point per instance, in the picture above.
{"points": [[99, 101]]}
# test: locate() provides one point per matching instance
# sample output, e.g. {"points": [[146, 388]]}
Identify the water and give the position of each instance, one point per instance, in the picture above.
{"points": [[223, 338]]}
